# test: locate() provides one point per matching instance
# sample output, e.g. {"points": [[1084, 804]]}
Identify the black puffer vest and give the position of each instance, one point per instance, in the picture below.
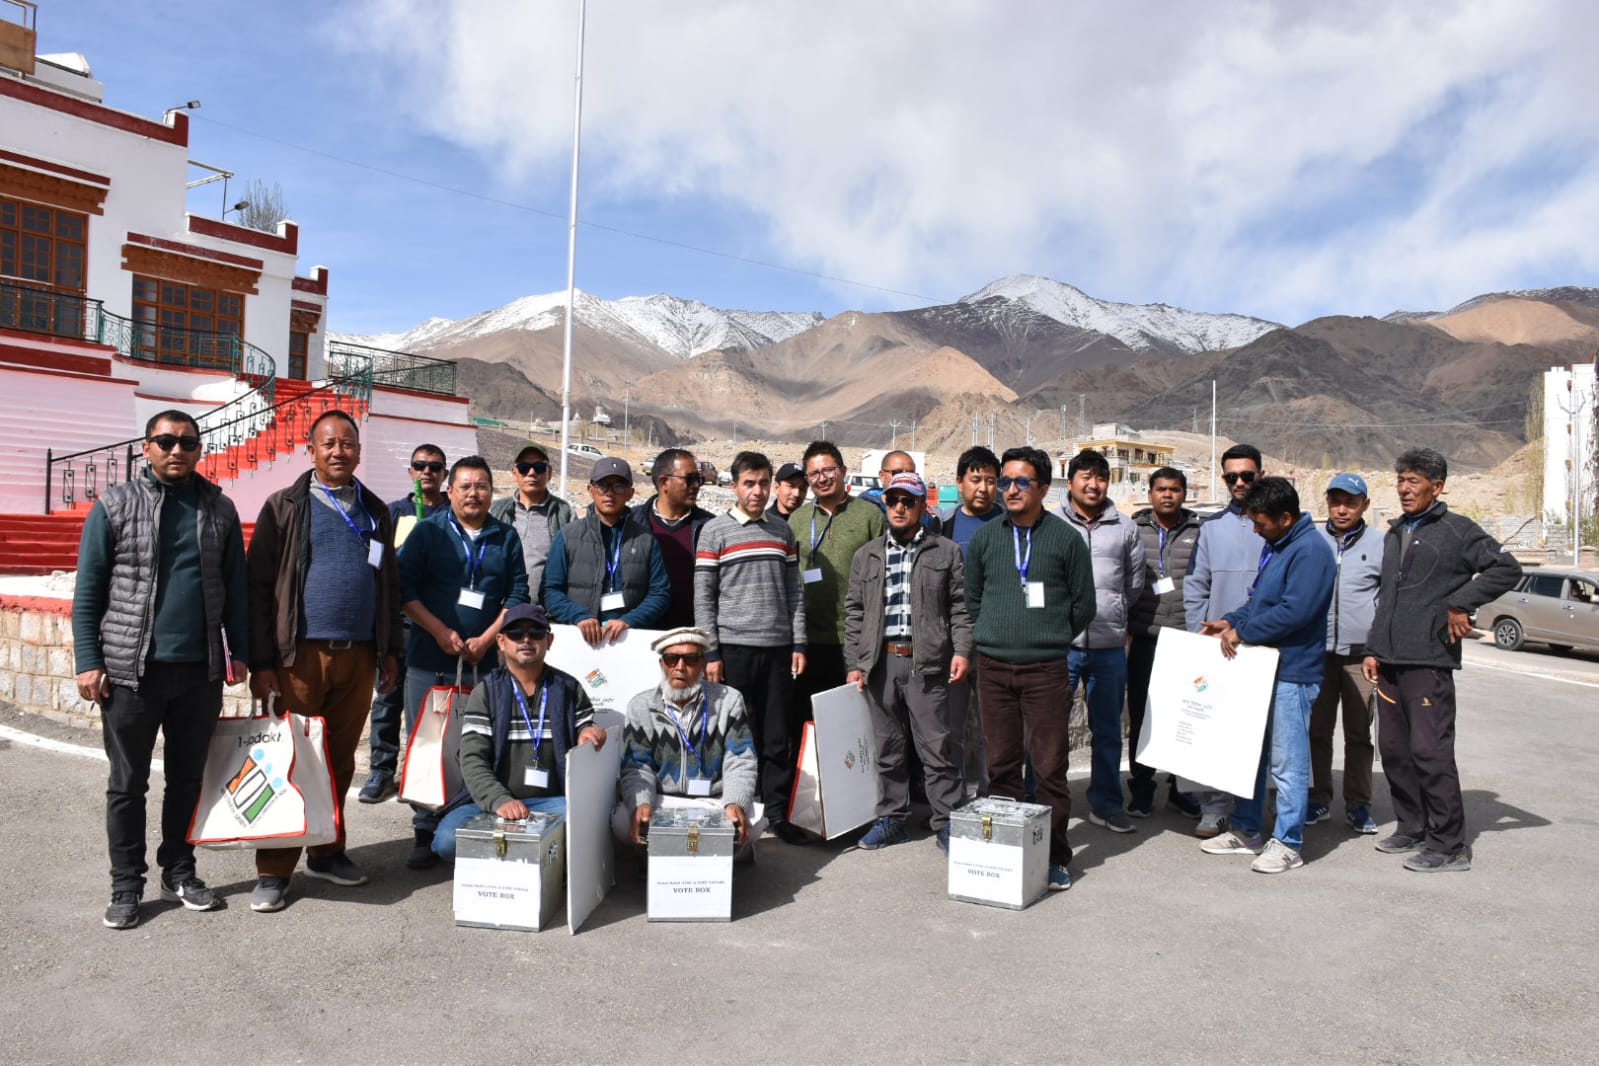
{"points": [[585, 561]]}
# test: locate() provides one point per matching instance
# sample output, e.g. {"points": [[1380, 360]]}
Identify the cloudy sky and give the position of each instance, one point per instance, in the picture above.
{"points": [[1281, 160]]}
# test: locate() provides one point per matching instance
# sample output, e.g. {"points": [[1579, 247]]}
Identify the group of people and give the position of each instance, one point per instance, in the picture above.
{"points": [[968, 628]]}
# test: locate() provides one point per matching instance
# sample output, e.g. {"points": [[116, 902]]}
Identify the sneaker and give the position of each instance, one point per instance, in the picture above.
{"points": [[789, 833], [1210, 825], [1278, 858], [1183, 802], [1317, 812], [1115, 821], [422, 855], [339, 869], [1428, 861], [270, 894], [1360, 820], [1060, 879], [942, 839], [378, 787], [190, 891], [884, 831], [1233, 842], [1140, 807], [123, 913], [1398, 844]]}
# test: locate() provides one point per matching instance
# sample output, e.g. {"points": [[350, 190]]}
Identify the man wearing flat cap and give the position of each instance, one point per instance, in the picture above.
{"points": [[687, 743]]}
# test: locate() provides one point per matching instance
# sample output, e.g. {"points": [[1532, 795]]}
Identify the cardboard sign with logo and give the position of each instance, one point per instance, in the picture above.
{"points": [[613, 673], [835, 789], [1206, 715]]}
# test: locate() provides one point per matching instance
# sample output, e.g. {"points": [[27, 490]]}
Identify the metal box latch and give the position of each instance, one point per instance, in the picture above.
{"points": [[988, 827], [499, 843], [693, 840]]}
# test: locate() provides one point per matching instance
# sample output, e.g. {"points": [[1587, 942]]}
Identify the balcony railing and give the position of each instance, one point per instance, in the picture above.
{"points": [[401, 370], [56, 314]]}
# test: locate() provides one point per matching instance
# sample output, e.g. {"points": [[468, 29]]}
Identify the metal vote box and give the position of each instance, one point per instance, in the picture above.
{"points": [[510, 874], [999, 852], [690, 865]]}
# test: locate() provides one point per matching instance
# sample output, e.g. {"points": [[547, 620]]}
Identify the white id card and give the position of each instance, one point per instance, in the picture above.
{"points": [[699, 786], [1035, 594], [533, 777], [471, 598], [613, 601], [374, 554], [1164, 585], [813, 575]]}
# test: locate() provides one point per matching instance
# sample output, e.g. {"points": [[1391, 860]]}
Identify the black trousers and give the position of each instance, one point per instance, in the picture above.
{"points": [[1416, 735], [1140, 665], [179, 701], [765, 678]]}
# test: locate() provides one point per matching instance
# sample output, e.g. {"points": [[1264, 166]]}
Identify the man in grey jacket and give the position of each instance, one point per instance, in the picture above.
{"points": [[1437, 568], [1098, 659], [1225, 562], [536, 513], [907, 638], [1358, 549]]}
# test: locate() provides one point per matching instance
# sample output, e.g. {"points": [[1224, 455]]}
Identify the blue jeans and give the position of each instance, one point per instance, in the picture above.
{"points": [[450, 821], [1103, 671], [1288, 744]]}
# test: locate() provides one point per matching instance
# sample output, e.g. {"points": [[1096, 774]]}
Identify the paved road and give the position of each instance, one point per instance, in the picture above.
{"points": [[1159, 953]]}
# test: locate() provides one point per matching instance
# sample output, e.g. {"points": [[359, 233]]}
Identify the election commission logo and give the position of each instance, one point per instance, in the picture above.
{"points": [[1200, 684], [594, 679], [253, 788]]}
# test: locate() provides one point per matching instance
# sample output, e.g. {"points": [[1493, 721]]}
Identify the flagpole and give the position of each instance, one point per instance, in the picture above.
{"points": [[571, 248]]}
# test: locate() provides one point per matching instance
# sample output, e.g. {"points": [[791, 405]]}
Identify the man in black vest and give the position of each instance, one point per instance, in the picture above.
{"points": [[605, 572], [159, 619]]}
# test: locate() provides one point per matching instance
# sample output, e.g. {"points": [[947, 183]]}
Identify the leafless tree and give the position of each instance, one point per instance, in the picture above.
{"points": [[263, 206]]}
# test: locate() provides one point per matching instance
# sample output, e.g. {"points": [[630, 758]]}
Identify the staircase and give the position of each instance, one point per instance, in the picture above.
{"points": [[40, 543]]}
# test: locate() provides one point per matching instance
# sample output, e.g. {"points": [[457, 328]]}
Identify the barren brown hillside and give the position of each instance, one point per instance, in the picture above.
{"points": [[1518, 321]]}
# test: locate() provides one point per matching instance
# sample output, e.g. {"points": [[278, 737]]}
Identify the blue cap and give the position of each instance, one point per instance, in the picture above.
{"points": [[1353, 484]]}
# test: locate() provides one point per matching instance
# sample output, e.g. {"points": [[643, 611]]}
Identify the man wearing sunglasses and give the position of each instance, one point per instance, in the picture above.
{"points": [[1221, 572], [533, 511], [519, 723], [687, 744], [676, 519], [159, 620], [388, 708], [1029, 591]]}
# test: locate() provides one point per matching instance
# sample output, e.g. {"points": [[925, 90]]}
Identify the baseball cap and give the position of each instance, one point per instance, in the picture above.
{"points": [[910, 482], [610, 466], [1353, 484], [534, 451], [788, 470], [527, 614]]}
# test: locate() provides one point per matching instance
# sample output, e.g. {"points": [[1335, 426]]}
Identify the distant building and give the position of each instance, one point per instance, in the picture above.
{"points": [[1132, 458], [1568, 433]]}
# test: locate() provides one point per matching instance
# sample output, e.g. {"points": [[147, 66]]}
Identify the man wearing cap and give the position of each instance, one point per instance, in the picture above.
{"points": [[1358, 549], [906, 640], [605, 572], [749, 602], [788, 491], [675, 517], [533, 511], [687, 744], [519, 723]]}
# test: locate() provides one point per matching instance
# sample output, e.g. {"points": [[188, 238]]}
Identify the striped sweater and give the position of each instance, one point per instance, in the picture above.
{"points": [[656, 761], [747, 587]]}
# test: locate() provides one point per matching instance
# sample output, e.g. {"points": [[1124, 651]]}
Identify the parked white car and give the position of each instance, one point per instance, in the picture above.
{"points": [[588, 451]]}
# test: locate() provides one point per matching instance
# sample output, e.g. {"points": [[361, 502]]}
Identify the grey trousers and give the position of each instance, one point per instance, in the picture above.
{"points": [[900, 698], [966, 724]]}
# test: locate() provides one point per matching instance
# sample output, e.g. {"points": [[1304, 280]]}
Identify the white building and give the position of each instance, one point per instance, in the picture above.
{"points": [[1568, 433]]}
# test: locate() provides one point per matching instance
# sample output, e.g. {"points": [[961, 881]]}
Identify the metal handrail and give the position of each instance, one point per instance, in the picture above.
{"points": [[33, 309], [407, 370], [149, 342]]}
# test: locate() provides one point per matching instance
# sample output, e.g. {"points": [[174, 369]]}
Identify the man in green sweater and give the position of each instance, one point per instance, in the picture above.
{"points": [[1030, 592]]}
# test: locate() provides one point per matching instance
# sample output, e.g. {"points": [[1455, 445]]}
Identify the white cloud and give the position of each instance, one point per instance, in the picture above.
{"points": [[1281, 160]]}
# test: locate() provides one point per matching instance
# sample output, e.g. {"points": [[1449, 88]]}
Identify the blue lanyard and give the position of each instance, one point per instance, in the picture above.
{"points": [[1022, 561], [1160, 560], [474, 563], [1265, 560], [613, 559], [339, 507], [815, 540], [521, 701], [705, 718]]}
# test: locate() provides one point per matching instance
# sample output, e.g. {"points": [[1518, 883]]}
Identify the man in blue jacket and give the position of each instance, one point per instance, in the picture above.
{"points": [[1287, 610]]}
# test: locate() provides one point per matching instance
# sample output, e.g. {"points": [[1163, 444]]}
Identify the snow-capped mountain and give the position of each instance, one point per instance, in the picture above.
{"points": [[679, 327], [1142, 327]]}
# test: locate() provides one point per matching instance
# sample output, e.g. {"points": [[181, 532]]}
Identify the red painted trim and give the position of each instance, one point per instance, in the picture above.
{"points": [[18, 368], [177, 401], [196, 251], [16, 355], [317, 282], [27, 92], [307, 305], [42, 604], [288, 244], [55, 168]]}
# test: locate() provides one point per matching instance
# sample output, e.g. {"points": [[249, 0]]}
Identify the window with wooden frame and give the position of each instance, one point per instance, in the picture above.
{"points": [[193, 320], [42, 257], [299, 347]]}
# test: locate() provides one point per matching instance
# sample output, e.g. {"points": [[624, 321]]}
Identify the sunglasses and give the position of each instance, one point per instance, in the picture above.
{"points": [[897, 502], [1246, 476], [691, 658], [521, 633], [532, 468], [167, 441], [431, 466], [1025, 484], [609, 488]]}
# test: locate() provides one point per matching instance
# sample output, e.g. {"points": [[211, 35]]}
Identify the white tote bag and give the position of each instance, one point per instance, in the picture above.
{"points": [[267, 784], [432, 772]]}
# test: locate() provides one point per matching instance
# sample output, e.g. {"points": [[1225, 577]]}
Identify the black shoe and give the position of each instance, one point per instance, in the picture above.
{"points": [[123, 913], [1399, 844], [379, 787], [339, 869], [1140, 806], [1182, 802], [789, 833], [422, 856], [189, 890]]}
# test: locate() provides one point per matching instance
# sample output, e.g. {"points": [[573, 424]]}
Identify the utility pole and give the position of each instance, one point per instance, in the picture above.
{"points": [[571, 247], [993, 419], [824, 430], [1213, 494], [975, 420], [894, 425], [1063, 423], [1082, 415], [913, 434], [627, 404]]}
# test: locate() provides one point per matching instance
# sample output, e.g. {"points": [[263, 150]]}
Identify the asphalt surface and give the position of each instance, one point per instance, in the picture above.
{"points": [[1158, 953]]}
